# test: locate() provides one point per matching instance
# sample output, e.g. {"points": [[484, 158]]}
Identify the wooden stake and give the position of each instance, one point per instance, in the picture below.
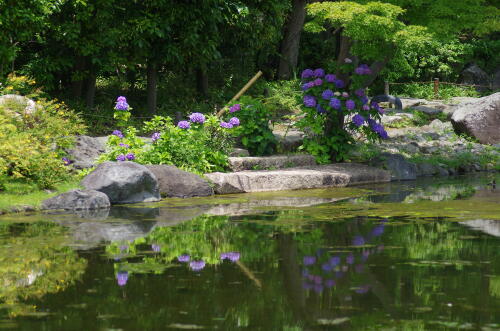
{"points": [[241, 92], [436, 88]]}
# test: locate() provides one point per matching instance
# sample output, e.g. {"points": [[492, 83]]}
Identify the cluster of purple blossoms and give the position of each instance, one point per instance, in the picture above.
{"points": [[231, 256], [234, 121], [67, 161], [358, 120], [377, 107], [121, 104], [122, 278], [378, 129], [309, 101], [226, 125], [197, 265], [320, 109], [118, 133], [197, 118], [184, 125], [327, 94], [124, 145], [330, 78], [363, 69], [184, 258], [129, 156], [234, 108], [335, 103], [155, 136], [308, 73], [350, 104], [360, 92]]}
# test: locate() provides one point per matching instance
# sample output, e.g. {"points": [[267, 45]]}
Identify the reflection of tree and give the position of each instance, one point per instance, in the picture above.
{"points": [[34, 262]]}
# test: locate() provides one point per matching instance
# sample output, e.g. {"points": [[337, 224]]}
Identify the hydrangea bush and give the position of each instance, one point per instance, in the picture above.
{"points": [[334, 109]]}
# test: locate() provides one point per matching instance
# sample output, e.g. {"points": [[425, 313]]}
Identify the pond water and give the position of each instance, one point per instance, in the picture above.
{"points": [[419, 255]]}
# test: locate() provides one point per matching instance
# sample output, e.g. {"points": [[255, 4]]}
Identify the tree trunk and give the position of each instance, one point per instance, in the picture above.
{"points": [[376, 68], [202, 81], [152, 74], [90, 94], [344, 53], [77, 83], [291, 40]]}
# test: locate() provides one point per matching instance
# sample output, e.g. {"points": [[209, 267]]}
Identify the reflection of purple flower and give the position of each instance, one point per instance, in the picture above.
{"points": [[156, 248], [335, 260], [327, 94], [358, 120], [118, 133], [308, 73], [339, 274], [349, 259], [319, 72], [121, 157], [155, 136], [307, 286], [327, 267], [378, 230], [184, 258], [305, 273], [197, 265], [318, 279], [362, 289], [318, 288], [335, 103], [358, 241], [232, 256], [122, 278], [365, 255], [234, 108], [197, 118], [330, 78], [329, 283], [309, 260], [184, 124], [359, 268], [309, 101]]}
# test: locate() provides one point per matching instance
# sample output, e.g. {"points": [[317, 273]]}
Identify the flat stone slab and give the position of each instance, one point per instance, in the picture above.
{"points": [[270, 162], [319, 176]]}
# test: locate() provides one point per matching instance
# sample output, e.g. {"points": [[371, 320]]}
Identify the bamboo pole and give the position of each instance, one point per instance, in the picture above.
{"points": [[241, 92], [249, 273]]}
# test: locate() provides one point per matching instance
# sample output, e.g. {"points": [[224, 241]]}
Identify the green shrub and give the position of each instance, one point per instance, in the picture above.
{"points": [[426, 91], [254, 131]]}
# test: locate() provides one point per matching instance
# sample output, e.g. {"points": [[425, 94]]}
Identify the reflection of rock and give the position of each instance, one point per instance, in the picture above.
{"points": [[77, 200], [174, 182], [398, 166], [490, 227], [134, 213], [123, 182], [441, 193], [172, 216]]}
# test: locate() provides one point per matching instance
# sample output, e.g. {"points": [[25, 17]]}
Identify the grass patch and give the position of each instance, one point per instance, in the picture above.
{"points": [[20, 193]]}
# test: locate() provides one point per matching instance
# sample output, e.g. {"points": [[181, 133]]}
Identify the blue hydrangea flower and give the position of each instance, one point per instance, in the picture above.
{"points": [[184, 258], [121, 157], [130, 156], [308, 73], [118, 133], [184, 125], [121, 104], [155, 136], [330, 78], [197, 265], [197, 118], [234, 121], [226, 125], [358, 120], [319, 72], [339, 83], [335, 103], [327, 94], [350, 104], [309, 101], [234, 108], [122, 278]]}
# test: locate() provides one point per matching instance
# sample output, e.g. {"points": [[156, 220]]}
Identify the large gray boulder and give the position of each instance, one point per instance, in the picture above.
{"points": [[270, 162], [77, 200], [86, 151], [174, 182], [479, 119], [474, 75], [397, 165], [123, 182]]}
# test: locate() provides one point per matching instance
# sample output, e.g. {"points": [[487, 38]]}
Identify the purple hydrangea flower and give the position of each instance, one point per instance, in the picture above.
{"points": [[307, 86], [118, 133], [319, 72], [358, 120], [232, 256], [155, 136], [184, 125], [197, 265], [350, 104], [121, 157], [377, 128], [122, 278], [226, 125], [308, 73], [234, 121], [197, 118], [121, 103], [365, 107], [358, 241], [339, 83], [184, 258], [234, 108], [360, 92], [375, 106], [124, 145], [327, 94], [381, 111], [363, 69], [318, 82], [130, 156], [67, 161], [156, 248], [364, 100], [345, 95], [309, 260], [309, 101], [335, 103], [330, 78], [320, 109], [383, 134]]}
